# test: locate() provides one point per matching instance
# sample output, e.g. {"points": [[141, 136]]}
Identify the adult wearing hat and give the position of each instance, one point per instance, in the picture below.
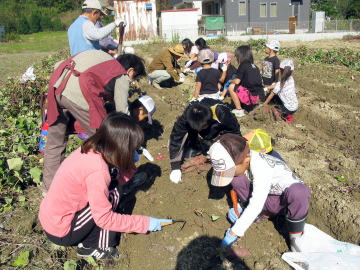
{"points": [[83, 34], [165, 66], [264, 184]]}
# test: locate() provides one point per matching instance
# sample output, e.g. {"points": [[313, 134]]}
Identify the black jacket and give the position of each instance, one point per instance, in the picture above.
{"points": [[223, 122]]}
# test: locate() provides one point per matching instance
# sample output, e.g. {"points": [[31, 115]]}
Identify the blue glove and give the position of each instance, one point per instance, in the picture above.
{"points": [[232, 216], [136, 157], [155, 224], [228, 239]]}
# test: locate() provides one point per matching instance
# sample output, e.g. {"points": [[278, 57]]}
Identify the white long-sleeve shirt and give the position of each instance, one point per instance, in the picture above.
{"points": [[270, 176]]}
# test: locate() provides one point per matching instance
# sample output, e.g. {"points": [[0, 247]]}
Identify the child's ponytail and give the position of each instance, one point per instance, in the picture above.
{"points": [[285, 74]]}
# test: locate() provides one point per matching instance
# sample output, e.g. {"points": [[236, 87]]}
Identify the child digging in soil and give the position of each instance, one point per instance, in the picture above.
{"points": [[284, 93], [80, 207], [207, 79], [271, 65], [247, 87], [264, 184]]}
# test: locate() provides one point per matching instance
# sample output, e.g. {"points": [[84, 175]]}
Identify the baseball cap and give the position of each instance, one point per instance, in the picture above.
{"points": [[223, 165], [259, 140], [287, 63], [206, 56], [94, 4], [149, 105], [273, 44]]}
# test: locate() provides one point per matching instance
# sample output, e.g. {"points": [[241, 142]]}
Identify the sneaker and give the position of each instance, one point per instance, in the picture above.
{"points": [[156, 85], [238, 113], [110, 253]]}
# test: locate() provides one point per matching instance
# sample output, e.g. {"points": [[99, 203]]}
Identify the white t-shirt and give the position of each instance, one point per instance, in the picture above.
{"points": [[194, 50], [287, 94], [270, 176]]}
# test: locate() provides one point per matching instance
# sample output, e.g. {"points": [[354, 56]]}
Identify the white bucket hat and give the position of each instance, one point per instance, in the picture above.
{"points": [[273, 44], [149, 105], [223, 165], [287, 63]]}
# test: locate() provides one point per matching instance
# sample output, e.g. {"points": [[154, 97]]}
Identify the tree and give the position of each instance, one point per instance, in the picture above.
{"points": [[45, 23], [35, 22], [24, 27]]}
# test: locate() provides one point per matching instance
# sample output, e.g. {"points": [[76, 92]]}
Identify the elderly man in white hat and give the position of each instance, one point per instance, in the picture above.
{"points": [[82, 33]]}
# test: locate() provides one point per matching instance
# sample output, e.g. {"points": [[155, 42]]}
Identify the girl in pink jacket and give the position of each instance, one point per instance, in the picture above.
{"points": [[79, 208]]}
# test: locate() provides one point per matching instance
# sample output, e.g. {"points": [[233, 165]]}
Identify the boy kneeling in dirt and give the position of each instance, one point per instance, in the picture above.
{"points": [[208, 118], [264, 184]]}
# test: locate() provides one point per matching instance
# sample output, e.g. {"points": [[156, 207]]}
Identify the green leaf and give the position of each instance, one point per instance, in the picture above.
{"points": [[91, 261], [15, 164], [215, 218], [341, 178], [70, 265], [35, 175], [22, 260], [21, 199]]}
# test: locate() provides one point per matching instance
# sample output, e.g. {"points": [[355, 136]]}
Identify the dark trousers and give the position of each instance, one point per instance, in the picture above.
{"points": [[84, 230]]}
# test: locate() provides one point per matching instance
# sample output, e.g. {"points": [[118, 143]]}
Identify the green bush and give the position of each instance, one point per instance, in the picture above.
{"points": [[24, 27], [20, 117], [35, 22], [46, 23], [12, 37]]}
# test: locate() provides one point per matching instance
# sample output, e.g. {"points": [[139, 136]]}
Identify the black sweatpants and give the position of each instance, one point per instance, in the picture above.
{"points": [[84, 230]]}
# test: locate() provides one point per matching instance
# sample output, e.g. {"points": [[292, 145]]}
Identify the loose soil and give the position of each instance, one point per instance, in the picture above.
{"points": [[322, 144]]}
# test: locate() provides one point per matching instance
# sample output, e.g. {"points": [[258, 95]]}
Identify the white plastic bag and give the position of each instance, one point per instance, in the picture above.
{"points": [[319, 250], [321, 261], [28, 75]]}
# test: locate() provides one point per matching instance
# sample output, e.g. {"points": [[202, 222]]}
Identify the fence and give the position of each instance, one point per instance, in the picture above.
{"points": [[281, 27]]}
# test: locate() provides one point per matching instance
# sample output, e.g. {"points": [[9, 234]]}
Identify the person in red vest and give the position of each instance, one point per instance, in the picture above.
{"points": [[78, 89]]}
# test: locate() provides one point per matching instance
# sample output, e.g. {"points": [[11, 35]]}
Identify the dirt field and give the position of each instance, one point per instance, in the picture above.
{"points": [[321, 144]]}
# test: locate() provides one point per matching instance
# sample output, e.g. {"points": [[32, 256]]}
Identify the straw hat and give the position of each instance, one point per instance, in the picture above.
{"points": [[177, 50]]}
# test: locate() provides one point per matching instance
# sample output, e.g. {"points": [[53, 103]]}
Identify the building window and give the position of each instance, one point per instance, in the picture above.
{"points": [[273, 9], [263, 10], [242, 8]]}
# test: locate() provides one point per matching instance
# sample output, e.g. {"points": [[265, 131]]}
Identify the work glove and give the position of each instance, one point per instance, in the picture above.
{"points": [[231, 214], [266, 90], [119, 21], [155, 224], [188, 64], [182, 79], [228, 239], [224, 67], [175, 176], [186, 70]]}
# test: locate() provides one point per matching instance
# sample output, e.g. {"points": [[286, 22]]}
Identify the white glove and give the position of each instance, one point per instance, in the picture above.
{"points": [[186, 70], [188, 64], [224, 67], [147, 154], [175, 176], [182, 75], [266, 90], [119, 21], [182, 79]]}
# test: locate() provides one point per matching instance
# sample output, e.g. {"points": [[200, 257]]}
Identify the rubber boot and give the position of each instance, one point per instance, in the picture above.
{"points": [[295, 229]]}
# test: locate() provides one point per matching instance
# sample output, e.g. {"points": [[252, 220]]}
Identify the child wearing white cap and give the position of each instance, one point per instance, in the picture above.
{"points": [[263, 182], [284, 93], [271, 65]]}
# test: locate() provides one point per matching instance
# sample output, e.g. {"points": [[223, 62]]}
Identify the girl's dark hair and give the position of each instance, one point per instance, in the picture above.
{"points": [[198, 116], [234, 144], [116, 140], [284, 76], [201, 44], [129, 60], [244, 54], [188, 44]]}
